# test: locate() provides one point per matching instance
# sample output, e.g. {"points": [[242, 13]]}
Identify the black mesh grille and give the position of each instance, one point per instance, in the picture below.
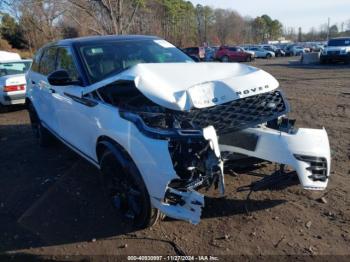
{"points": [[239, 114], [333, 53]]}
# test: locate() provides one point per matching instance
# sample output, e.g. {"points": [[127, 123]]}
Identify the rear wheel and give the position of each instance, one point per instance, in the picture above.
{"points": [[225, 59], [127, 192], [44, 137], [324, 60]]}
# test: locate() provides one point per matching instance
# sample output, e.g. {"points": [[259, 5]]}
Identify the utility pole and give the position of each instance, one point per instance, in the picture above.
{"points": [[329, 21]]}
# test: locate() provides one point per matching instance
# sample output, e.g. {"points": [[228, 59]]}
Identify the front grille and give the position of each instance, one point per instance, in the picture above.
{"points": [[333, 53], [239, 114], [318, 167]]}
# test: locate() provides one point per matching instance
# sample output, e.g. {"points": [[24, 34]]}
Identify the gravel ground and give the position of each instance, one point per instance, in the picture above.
{"points": [[52, 204]]}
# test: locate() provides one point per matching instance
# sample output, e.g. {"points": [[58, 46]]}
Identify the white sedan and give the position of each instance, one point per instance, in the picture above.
{"points": [[13, 82]]}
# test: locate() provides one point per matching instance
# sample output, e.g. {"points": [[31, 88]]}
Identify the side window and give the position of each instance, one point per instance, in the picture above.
{"points": [[48, 61], [36, 61], [65, 61]]}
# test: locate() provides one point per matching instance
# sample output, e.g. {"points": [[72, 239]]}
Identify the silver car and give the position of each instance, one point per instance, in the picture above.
{"points": [[262, 53]]}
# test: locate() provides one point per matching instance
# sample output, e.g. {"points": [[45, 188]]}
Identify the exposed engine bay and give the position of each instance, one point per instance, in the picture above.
{"points": [[252, 125]]}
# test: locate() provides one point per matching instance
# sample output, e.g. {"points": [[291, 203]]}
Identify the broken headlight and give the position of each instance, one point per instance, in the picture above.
{"points": [[159, 125]]}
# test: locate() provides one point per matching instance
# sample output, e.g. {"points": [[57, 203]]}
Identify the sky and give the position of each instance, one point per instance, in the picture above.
{"points": [[292, 13]]}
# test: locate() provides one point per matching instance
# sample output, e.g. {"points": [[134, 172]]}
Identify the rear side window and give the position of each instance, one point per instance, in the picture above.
{"points": [[65, 61], [14, 68], [48, 61]]}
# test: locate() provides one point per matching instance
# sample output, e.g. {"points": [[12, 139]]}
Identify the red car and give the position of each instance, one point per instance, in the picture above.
{"points": [[198, 52], [232, 54]]}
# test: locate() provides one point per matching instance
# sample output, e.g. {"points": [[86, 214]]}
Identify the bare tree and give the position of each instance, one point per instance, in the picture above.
{"points": [[108, 16]]}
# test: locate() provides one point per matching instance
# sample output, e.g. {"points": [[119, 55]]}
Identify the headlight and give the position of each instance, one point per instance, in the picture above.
{"points": [[152, 125]]}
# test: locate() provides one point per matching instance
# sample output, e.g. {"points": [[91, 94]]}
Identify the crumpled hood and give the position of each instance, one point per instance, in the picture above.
{"points": [[182, 86]]}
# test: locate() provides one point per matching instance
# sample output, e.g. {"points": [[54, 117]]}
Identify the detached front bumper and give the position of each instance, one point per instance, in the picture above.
{"points": [[306, 150]]}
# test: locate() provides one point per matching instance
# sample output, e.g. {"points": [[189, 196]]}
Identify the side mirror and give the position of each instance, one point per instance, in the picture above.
{"points": [[61, 78]]}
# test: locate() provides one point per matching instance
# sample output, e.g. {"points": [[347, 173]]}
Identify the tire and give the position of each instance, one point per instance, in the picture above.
{"points": [[225, 59], [268, 56], [3, 109], [127, 192], [44, 137], [248, 59]]}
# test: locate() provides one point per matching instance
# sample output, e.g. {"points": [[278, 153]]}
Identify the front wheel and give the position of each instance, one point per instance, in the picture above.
{"points": [[126, 190], [248, 59], [268, 56]]}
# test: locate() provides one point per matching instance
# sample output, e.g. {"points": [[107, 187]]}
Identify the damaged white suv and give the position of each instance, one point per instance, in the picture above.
{"points": [[157, 124]]}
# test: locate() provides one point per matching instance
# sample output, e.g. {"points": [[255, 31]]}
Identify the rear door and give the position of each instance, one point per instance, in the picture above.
{"points": [[234, 54]]}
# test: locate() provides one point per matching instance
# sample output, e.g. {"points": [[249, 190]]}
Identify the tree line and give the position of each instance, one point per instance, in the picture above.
{"points": [[28, 24]]}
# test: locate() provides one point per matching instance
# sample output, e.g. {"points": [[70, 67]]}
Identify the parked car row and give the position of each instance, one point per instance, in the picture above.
{"points": [[244, 53], [228, 53]]}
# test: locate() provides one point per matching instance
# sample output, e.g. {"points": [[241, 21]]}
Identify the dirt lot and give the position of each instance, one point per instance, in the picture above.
{"points": [[51, 201]]}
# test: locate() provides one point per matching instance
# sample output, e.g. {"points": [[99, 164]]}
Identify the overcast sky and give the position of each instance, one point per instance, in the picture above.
{"points": [[292, 13]]}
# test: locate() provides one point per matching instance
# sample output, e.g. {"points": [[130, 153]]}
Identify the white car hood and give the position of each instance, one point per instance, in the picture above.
{"points": [[182, 86]]}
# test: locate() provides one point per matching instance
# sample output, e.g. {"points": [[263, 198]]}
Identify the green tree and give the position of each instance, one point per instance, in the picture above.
{"points": [[205, 18], [259, 29], [11, 31], [333, 31]]}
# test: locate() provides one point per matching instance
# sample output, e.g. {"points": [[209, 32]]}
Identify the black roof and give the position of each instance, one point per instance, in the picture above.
{"points": [[104, 38]]}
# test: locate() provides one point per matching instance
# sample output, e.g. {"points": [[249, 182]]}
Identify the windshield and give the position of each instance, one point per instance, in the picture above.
{"points": [[339, 42], [14, 68], [105, 59]]}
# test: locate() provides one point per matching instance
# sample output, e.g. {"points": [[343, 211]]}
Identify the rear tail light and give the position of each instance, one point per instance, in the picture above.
{"points": [[14, 88]]}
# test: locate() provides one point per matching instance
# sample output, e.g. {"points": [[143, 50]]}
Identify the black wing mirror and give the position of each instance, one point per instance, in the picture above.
{"points": [[61, 78]]}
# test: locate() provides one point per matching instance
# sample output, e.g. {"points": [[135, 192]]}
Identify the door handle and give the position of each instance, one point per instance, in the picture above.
{"points": [[51, 90]]}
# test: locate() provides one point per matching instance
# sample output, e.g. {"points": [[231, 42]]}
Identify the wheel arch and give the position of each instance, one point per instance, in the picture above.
{"points": [[105, 142], [28, 101]]}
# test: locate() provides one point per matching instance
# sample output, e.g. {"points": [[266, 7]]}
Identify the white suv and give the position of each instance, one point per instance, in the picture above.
{"points": [[337, 49], [160, 126]]}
